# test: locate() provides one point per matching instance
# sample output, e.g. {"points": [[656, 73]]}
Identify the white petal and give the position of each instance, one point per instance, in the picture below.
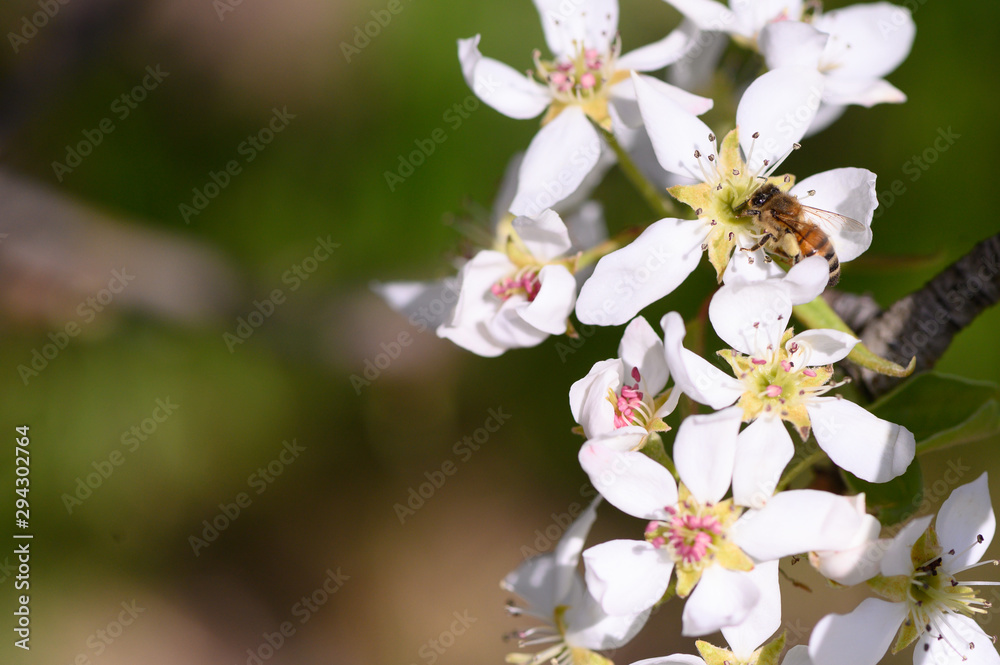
{"points": [[967, 644], [590, 627], [864, 92], [693, 375], [675, 132], [869, 447], [505, 192], [704, 452], [897, 558], [763, 450], [779, 106], [806, 280], [504, 88], [797, 521], [622, 439], [669, 404], [569, 547], [586, 224], [747, 266], [477, 305], [630, 481], [745, 637], [536, 580], [675, 659], [625, 103], [849, 192], [721, 598], [964, 516], [509, 328], [642, 348], [659, 54], [862, 559], [642, 272], [545, 236], [825, 116], [751, 317], [791, 43], [695, 71], [859, 638], [797, 655], [427, 304], [821, 346], [588, 397], [706, 14], [857, 564], [867, 40], [474, 338], [568, 25], [627, 576], [639, 147], [545, 581], [554, 302], [753, 15], [579, 198], [558, 160]]}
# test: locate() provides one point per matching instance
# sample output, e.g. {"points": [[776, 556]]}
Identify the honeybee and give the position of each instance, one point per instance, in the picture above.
{"points": [[796, 231]]}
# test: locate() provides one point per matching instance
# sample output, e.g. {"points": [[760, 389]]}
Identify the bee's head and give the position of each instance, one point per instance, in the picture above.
{"points": [[757, 200]]}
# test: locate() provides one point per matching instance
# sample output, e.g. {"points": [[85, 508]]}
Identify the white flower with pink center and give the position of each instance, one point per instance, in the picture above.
{"points": [[621, 400], [781, 377], [717, 551], [519, 294], [924, 600], [517, 278], [688, 535], [587, 80]]}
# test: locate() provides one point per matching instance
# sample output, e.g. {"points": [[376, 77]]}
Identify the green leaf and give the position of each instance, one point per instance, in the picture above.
{"points": [[894, 501], [943, 410], [985, 422], [713, 655], [770, 653]]}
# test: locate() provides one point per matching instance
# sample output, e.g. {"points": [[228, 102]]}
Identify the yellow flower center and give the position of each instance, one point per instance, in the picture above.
{"points": [[775, 386]]}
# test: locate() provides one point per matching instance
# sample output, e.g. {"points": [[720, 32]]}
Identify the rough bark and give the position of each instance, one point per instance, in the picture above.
{"points": [[924, 323]]}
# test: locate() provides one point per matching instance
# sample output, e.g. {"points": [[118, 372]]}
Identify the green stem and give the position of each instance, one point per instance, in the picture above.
{"points": [[799, 468], [654, 450], [657, 203], [585, 258]]}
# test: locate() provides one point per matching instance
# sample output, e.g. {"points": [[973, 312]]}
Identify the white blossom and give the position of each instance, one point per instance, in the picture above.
{"points": [[707, 541], [571, 619], [924, 599], [586, 81], [784, 378]]}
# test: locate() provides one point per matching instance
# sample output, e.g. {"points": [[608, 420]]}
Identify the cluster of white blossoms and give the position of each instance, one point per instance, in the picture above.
{"points": [[720, 504]]}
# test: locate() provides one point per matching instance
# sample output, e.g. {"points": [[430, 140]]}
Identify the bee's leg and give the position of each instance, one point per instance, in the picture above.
{"points": [[760, 243], [791, 248]]}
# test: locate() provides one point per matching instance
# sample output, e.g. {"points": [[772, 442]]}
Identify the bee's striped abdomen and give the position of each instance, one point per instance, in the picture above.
{"points": [[814, 241]]}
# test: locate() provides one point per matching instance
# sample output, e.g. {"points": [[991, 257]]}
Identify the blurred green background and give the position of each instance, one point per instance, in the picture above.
{"points": [[229, 67]]}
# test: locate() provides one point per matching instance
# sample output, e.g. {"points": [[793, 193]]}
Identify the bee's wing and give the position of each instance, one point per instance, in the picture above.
{"points": [[831, 222], [791, 222]]}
